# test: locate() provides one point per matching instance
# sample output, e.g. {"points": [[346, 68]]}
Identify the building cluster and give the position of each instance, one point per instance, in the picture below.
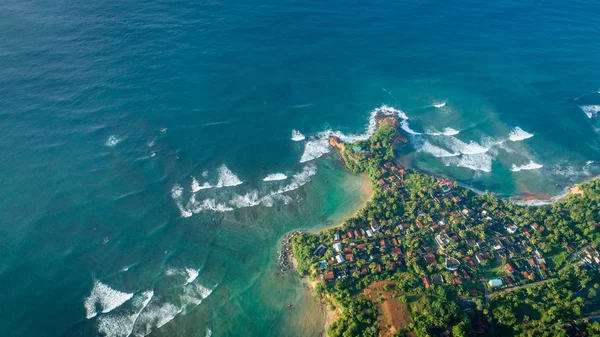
{"points": [[462, 243]]}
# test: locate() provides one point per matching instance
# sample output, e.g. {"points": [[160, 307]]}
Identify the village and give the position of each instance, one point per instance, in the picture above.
{"points": [[504, 257], [429, 254]]}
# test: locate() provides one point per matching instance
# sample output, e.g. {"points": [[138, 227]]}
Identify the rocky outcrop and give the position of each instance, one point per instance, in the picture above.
{"points": [[391, 121], [336, 143]]}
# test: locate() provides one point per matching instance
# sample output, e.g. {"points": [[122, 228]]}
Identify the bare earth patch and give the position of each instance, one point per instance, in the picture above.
{"points": [[391, 312]]}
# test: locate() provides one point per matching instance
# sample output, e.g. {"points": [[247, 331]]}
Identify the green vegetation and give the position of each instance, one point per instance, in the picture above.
{"points": [[465, 263]]}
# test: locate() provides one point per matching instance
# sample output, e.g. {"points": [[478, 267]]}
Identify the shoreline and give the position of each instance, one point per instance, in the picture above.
{"points": [[330, 315]]}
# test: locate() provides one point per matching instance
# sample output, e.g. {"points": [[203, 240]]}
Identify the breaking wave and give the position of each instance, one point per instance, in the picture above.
{"points": [[590, 110], [436, 151], [459, 146], [318, 145], [107, 297], [439, 105], [476, 162], [530, 166], [197, 187], [207, 205], [112, 141], [446, 132], [275, 176], [297, 136], [518, 134], [122, 325], [227, 178]]}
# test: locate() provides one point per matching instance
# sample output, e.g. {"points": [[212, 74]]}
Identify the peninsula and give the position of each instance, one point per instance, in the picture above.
{"points": [[426, 257]]}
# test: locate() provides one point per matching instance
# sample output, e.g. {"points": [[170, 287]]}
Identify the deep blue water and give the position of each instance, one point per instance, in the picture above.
{"points": [[109, 108]]}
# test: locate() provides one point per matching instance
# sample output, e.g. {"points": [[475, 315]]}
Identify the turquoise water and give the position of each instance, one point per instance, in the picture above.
{"points": [[111, 110]]}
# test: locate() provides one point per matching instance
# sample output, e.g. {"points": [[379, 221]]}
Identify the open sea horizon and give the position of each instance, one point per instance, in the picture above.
{"points": [[155, 153]]}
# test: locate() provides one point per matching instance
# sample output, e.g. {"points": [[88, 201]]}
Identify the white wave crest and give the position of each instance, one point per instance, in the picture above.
{"points": [[517, 134], [208, 205], [185, 213], [459, 146], [297, 136], [155, 316], [227, 178], [446, 132], [208, 332], [316, 147], [530, 166], [197, 187], [475, 162], [299, 179], [590, 110], [275, 176], [108, 298], [436, 151], [122, 325], [176, 191], [112, 141], [192, 274], [439, 105], [249, 199], [193, 295]]}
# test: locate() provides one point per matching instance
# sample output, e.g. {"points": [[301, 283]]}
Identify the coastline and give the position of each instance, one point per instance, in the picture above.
{"points": [[330, 315]]}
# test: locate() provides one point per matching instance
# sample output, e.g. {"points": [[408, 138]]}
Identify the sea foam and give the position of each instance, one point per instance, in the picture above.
{"points": [[518, 134], [318, 145], [275, 176], [197, 187], [590, 110], [530, 166], [439, 105], [107, 297], [122, 324], [112, 141], [446, 132], [476, 162], [297, 136], [436, 151], [227, 178]]}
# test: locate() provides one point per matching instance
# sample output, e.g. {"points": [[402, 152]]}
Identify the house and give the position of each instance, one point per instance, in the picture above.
{"points": [[336, 237], [426, 282], [419, 223], [495, 283], [350, 257], [509, 268], [382, 243], [457, 280], [396, 251], [350, 235], [511, 229], [381, 182], [369, 233], [442, 240], [356, 233], [340, 259], [320, 250], [429, 258], [437, 280], [329, 275], [480, 257], [338, 247], [508, 281], [395, 242]]}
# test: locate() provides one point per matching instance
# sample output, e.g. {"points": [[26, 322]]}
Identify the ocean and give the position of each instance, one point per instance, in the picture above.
{"points": [[155, 153]]}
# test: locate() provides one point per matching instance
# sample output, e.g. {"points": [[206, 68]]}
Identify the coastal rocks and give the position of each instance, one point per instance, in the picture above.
{"points": [[390, 120], [286, 254], [336, 143]]}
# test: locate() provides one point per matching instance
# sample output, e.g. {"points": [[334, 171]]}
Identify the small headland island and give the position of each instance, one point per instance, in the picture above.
{"points": [[427, 257]]}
